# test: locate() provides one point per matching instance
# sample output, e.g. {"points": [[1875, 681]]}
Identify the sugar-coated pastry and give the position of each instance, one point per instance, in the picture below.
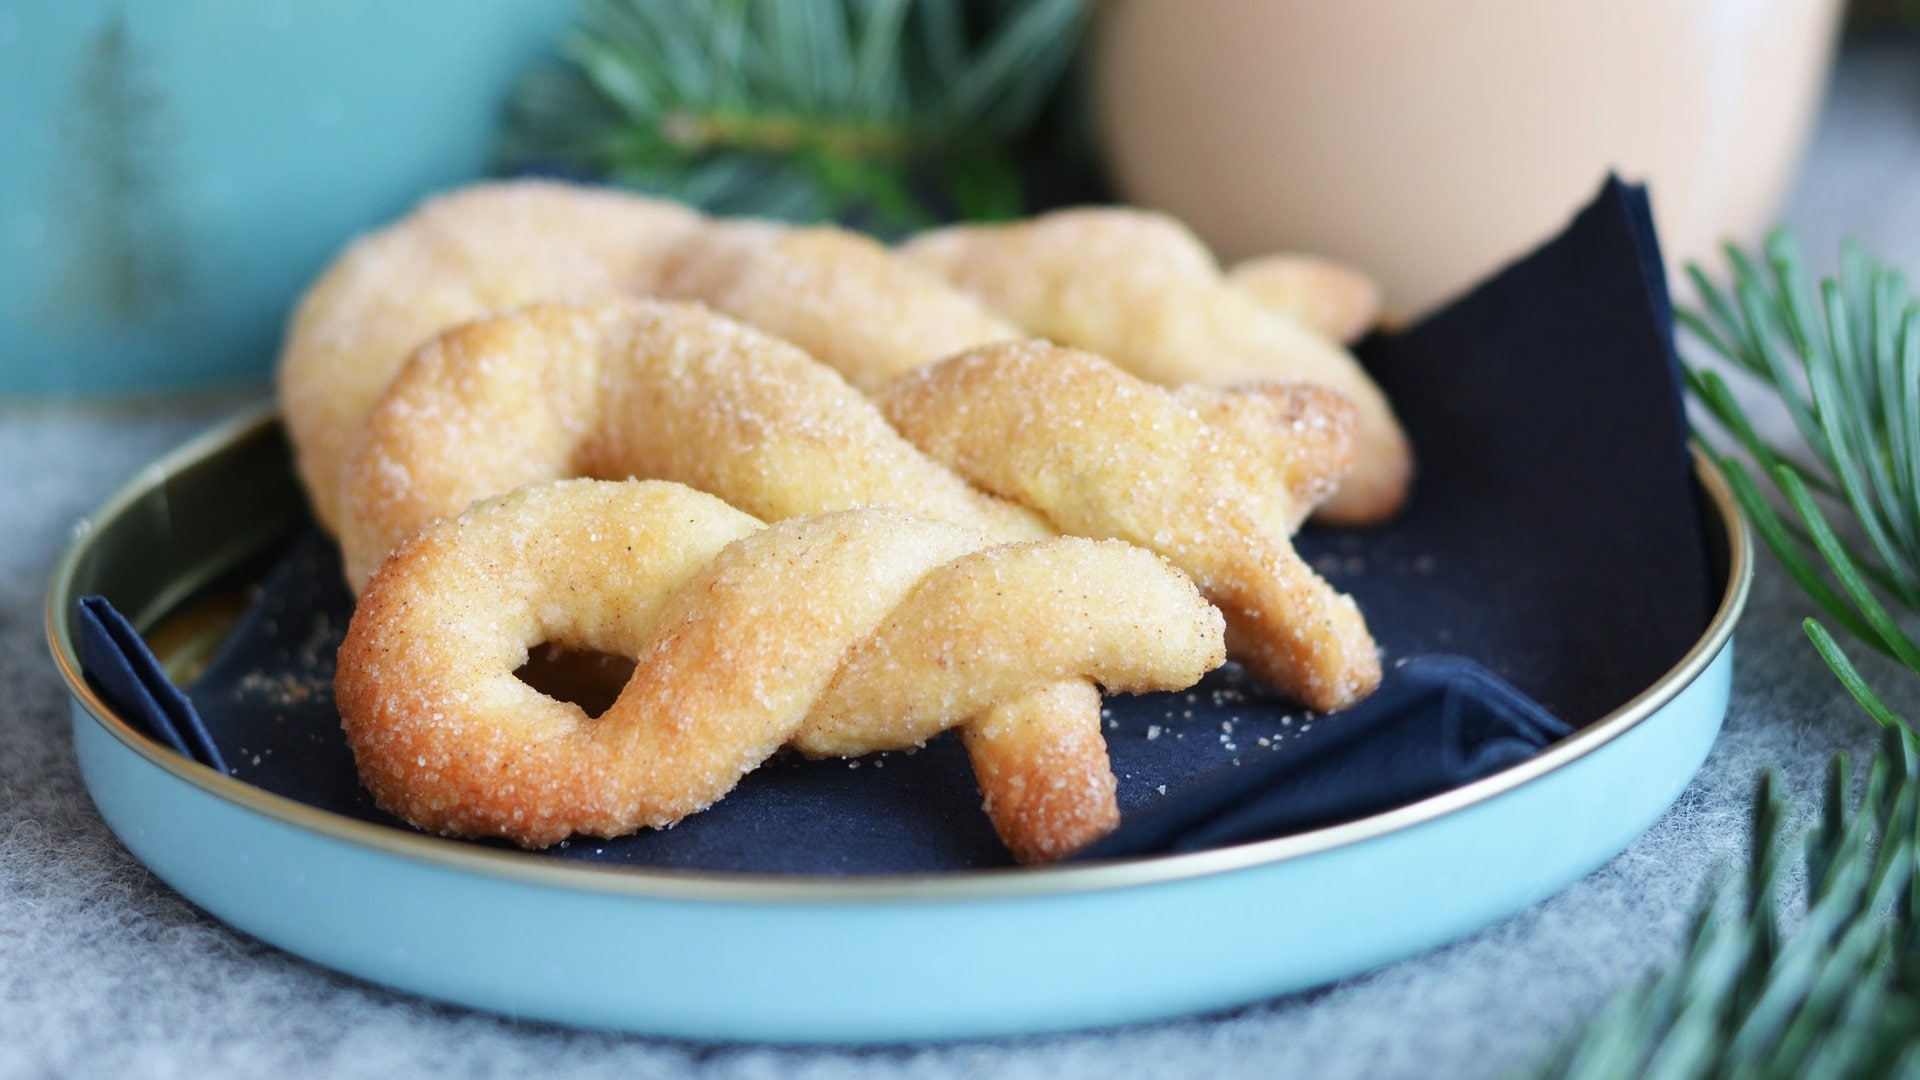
{"points": [[1102, 453], [672, 391], [666, 390], [495, 401], [837, 634], [1138, 288]]}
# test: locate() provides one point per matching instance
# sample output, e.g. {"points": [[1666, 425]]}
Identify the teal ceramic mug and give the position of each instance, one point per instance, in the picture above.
{"points": [[172, 172]]}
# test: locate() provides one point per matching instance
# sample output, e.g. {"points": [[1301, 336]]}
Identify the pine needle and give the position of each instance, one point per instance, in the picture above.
{"points": [[1836, 998], [1840, 996], [888, 114]]}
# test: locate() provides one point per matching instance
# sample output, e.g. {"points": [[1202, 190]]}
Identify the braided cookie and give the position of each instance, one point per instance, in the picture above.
{"points": [[839, 634], [1140, 289], [1102, 453], [672, 391], [461, 256], [846, 299]]}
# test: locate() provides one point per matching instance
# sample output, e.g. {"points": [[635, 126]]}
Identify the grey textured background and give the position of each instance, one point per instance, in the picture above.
{"points": [[104, 971]]}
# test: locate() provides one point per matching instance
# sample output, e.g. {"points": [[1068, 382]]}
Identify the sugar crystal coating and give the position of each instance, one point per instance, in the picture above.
{"points": [[840, 634]]}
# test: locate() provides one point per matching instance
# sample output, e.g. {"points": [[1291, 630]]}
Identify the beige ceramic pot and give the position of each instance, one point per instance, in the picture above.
{"points": [[1432, 140]]}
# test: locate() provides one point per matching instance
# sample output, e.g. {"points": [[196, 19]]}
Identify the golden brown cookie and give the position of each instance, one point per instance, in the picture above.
{"points": [[1102, 453], [838, 634], [1138, 288], [664, 390]]}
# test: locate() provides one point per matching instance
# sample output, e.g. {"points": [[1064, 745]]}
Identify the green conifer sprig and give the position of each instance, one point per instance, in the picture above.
{"points": [[1836, 995], [1845, 362], [1837, 991], [891, 113]]}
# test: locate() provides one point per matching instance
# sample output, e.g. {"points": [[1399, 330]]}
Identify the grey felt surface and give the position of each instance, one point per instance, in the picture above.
{"points": [[104, 971]]}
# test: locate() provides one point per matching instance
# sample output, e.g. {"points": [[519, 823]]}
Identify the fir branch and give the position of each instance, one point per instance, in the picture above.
{"points": [[889, 113], [1840, 995], [1847, 369]]}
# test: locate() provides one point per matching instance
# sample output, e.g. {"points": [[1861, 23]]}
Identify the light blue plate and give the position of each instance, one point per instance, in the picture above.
{"points": [[717, 956]]}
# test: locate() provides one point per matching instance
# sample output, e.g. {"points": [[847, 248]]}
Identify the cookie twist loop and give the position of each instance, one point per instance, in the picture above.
{"points": [[838, 634]]}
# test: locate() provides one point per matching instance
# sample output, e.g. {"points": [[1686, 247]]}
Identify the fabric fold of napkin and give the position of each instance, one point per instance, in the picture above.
{"points": [[1435, 724], [1551, 565], [130, 678]]}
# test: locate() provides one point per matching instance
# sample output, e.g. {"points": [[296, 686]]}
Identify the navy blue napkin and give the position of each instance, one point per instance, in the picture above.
{"points": [[129, 677], [1550, 566], [1435, 723]]}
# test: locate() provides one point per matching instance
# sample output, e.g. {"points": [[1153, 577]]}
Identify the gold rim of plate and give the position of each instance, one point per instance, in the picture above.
{"points": [[742, 887]]}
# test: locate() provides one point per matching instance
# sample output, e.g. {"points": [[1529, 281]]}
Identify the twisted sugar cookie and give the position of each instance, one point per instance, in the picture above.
{"points": [[1102, 453], [645, 388], [843, 297], [461, 256], [1140, 289], [838, 634], [672, 391]]}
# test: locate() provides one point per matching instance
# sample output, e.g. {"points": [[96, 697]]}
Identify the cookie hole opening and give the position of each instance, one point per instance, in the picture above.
{"points": [[586, 677]]}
